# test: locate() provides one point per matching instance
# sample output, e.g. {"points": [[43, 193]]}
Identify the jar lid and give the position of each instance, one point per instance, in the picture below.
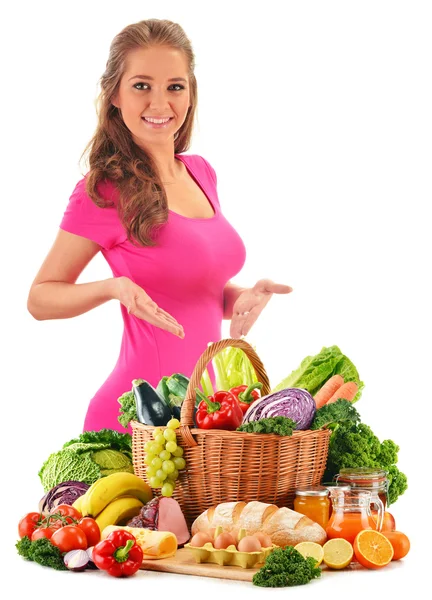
{"points": [[362, 473], [312, 490], [339, 487]]}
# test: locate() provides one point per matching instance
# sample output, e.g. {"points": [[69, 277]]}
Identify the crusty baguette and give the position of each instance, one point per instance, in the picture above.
{"points": [[284, 526]]}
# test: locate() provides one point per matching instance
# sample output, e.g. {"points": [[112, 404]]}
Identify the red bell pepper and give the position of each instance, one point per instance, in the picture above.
{"points": [[246, 395], [118, 554], [220, 411]]}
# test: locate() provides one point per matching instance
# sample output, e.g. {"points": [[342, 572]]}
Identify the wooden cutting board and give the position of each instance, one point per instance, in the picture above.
{"points": [[184, 563]]}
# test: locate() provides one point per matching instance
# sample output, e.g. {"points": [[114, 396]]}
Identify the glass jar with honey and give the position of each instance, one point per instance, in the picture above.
{"points": [[313, 501], [365, 478]]}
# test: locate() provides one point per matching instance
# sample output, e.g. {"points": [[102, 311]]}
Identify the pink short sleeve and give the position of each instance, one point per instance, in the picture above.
{"points": [[83, 217], [210, 170]]}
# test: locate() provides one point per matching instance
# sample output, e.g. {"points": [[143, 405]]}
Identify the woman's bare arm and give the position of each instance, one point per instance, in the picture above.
{"points": [[54, 293]]}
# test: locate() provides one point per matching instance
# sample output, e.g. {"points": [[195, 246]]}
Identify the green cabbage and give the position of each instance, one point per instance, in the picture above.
{"points": [[87, 458], [314, 371]]}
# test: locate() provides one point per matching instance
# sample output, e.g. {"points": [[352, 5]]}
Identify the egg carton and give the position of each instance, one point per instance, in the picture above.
{"points": [[229, 556]]}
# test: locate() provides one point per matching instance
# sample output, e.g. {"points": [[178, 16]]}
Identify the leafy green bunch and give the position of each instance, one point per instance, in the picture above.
{"points": [[286, 567], [41, 551], [93, 454], [353, 444]]}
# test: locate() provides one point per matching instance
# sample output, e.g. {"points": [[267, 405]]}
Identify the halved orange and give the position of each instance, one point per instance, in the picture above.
{"points": [[372, 549]]}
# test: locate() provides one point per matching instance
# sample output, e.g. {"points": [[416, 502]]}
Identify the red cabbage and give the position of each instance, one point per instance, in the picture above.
{"points": [[295, 403], [63, 493]]}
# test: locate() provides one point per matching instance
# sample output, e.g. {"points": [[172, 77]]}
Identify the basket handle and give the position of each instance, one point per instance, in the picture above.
{"points": [[186, 415]]}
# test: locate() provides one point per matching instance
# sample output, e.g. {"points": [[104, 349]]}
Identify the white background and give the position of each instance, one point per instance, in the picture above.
{"points": [[317, 120]]}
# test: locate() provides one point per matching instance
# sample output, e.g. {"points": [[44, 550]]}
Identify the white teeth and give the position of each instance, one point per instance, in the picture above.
{"points": [[158, 121]]}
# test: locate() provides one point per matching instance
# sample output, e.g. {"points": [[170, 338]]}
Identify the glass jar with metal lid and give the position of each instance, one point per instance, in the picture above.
{"points": [[313, 501], [374, 480]]}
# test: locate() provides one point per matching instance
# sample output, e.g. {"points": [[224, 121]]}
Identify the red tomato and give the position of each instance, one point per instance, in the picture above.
{"points": [[42, 532], [28, 524], [91, 530], [68, 511], [69, 538]]}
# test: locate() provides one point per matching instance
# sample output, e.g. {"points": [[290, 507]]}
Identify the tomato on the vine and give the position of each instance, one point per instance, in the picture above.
{"points": [[28, 524], [69, 538], [91, 530], [42, 532], [68, 511]]}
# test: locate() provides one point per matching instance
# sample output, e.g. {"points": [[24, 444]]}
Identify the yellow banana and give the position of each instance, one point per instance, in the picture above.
{"points": [[118, 510], [106, 489], [78, 503]]}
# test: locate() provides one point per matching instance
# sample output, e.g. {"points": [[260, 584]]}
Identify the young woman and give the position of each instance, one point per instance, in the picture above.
{"points": [[154, 214]]}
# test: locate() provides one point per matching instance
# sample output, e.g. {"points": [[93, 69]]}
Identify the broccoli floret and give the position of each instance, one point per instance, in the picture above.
{"points": [[277, 425], [41, 551], [355, 445], [286, 567], [128, 409], [331, 415]]}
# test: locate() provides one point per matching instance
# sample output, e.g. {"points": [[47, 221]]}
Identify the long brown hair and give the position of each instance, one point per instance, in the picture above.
{"points": [[113, 155]]}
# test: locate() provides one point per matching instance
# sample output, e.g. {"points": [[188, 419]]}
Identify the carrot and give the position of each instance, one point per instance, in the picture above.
{"points": [[347, 391], [328, 389]]}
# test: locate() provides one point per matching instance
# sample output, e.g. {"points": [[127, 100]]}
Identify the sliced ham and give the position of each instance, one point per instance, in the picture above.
{"points": [[163, 514]]}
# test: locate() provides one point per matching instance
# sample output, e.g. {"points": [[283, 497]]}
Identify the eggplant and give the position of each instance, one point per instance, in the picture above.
{"points": [[151, 408]]}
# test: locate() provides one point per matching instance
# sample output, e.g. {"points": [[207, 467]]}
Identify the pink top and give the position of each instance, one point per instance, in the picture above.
{"points": [[185, 274]]}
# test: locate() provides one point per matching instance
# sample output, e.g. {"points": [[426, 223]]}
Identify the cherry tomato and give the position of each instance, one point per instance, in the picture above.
{"points": [[42, 532], [91, 530], [69, 538], [28, 524]]}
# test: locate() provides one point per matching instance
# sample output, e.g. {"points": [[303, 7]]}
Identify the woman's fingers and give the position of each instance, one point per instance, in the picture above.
{"points": [[249, 320], [267, 286], [167, 315], [236, 326], [162, 322], [162, 319]]}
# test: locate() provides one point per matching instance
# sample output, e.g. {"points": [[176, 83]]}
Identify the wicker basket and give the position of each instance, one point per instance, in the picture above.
{"points": [[227, 466]]}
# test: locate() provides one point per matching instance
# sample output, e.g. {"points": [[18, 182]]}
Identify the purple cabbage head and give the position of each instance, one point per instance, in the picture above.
{"points": [[63, 493], [295, 403]]}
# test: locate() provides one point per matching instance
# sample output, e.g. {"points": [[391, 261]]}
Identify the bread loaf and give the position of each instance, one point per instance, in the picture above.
{"points": [[284, 526]]}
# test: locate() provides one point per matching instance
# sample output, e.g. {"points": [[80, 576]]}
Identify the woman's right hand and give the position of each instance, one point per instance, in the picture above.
{"points": [[139, 304]]}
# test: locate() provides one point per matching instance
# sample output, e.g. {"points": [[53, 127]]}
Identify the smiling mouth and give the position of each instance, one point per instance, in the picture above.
{"points": [[154, 121]]}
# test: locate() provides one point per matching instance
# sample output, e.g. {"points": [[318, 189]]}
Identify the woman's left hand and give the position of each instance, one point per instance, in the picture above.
{"points": [[251, 303]]}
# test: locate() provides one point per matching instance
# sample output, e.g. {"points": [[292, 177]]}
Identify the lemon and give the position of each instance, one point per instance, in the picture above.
{"points": [[311, 549], [338, 553]]}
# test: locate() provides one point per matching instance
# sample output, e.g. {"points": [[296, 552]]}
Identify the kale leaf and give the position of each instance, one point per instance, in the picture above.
{"points": [[277, 425], [331, 415], [286, 567], [355, 445], [127, 409], [41, 551]]}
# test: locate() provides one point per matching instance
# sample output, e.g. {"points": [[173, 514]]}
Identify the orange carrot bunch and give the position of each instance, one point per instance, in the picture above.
{"points": [[335, 388]]}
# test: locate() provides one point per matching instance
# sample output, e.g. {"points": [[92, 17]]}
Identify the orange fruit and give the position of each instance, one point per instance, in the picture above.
{"points": [[389, 523], [372, 549], [400, 543]]}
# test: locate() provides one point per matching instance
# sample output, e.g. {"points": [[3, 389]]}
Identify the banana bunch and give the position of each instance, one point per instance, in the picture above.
{"points": [[114, 499]]}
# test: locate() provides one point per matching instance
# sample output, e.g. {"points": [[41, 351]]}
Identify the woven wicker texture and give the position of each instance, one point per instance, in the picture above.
{"points": [[228, 466]]}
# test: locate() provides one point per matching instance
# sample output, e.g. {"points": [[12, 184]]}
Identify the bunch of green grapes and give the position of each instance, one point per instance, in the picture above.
{"points": [[164, 459]]}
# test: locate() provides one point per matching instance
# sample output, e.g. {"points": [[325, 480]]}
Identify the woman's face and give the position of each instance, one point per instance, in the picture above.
{"points": [[155, 85]]}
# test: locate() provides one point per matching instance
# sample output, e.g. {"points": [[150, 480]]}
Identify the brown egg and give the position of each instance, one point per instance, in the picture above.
{"points": [[224, 540], [250, 543], [264, 539], [200, 538]]}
